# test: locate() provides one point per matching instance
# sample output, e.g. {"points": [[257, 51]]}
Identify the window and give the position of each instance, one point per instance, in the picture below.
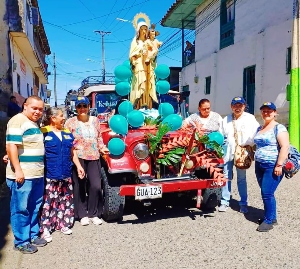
{"points": [[288, 60], [28, 90], [227, 23], [207, 85], [18, 83], [230, 10]]}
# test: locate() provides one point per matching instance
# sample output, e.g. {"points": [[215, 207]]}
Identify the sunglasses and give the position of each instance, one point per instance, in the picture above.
{"points": [[80, 106]]}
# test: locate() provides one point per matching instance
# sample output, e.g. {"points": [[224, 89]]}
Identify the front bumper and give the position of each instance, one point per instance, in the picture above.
{"points": [[175, 185]]}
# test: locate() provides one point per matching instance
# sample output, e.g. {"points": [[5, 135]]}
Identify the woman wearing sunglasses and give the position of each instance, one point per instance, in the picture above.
{"points": [[88, 144]]}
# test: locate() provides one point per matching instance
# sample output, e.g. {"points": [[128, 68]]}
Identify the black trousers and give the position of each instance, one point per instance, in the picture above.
{"points": [[87, 191]]}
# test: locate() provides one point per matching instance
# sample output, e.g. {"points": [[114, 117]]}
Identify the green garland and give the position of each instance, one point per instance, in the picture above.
{"points": [[211, 145]]}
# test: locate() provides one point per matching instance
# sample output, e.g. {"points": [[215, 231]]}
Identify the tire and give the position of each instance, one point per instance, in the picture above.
{"points": [[113, 203], [211, 198]]}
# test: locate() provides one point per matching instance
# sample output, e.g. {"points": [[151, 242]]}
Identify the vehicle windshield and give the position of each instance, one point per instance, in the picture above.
{"points": [[106, 102]]}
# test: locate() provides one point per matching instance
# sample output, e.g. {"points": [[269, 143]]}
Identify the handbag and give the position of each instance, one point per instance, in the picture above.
{"points": [[243, 155], [292, 164]]}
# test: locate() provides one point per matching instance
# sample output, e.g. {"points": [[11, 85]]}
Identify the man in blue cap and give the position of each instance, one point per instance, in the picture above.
{"points": [[246, 126]]}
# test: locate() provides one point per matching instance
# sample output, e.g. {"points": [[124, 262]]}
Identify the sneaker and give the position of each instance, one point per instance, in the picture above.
{"points": [[39, 242], [26, 249], [274, 221], [46, 235], [96, 221], [264, 227], [85, 221], [66, 230], [223, 208], [243, 209]]}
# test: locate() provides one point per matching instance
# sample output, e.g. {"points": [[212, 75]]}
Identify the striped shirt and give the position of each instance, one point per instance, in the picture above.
{"points": [[29, 139]]}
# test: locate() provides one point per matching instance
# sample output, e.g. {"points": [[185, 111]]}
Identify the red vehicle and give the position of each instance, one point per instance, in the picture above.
{"points": [[145, 172], [154, 165]]}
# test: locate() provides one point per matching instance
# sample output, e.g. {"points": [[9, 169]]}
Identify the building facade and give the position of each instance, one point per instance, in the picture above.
{"points": [[242, 48], [23, 69]]}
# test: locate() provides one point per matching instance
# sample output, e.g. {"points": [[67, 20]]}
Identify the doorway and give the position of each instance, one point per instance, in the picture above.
{"points": [[249, 88]]}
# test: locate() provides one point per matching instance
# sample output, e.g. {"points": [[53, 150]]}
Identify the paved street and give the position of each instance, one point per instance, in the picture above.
{"points": [[175, 237]]}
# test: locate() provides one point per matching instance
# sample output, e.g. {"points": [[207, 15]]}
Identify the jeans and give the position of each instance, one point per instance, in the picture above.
{"points": [[241, 184], [268, 183], [26, 200]]}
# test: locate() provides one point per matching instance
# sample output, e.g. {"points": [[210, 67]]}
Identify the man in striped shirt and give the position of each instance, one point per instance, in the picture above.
{"points": [[25, 174]]}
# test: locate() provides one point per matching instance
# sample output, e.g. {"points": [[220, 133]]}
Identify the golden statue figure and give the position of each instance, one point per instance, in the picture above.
{"points": [[143, 90]]}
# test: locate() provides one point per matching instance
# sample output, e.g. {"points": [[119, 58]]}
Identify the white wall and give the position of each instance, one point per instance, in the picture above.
{"points": [[24, 78], [262, 35]]}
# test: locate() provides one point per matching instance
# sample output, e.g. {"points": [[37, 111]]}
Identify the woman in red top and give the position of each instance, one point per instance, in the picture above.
{"points": [[88, 143]]}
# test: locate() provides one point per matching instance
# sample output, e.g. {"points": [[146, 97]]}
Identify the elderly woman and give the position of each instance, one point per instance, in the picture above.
{"points": [[58, 207], [205, 120], [272, 146], [88, 144]]}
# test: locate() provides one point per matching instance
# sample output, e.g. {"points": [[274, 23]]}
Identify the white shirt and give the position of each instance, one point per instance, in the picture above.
{"points": [[246, 126], [210, 124]]}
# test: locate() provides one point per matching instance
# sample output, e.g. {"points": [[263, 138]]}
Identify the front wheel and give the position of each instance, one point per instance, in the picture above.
{"points": [[113, 203], [211, 198]]}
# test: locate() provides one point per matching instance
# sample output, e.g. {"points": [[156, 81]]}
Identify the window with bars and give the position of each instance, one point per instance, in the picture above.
{"points": [[207, 85], [227, 23]]}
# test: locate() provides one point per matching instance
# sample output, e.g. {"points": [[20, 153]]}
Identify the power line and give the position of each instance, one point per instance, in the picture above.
{"points": [[83, 21]]}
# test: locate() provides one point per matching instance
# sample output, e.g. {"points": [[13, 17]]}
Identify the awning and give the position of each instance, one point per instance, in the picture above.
{"points": [[99, 88], [29, 53], [182, 11]]}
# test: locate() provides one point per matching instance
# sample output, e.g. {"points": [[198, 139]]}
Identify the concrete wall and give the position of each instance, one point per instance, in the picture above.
{"points": [[262, 36]]}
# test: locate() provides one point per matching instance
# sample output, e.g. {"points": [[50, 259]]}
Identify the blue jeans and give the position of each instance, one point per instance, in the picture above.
{"points": [[26, 200], [268, 183], [241, 184]]}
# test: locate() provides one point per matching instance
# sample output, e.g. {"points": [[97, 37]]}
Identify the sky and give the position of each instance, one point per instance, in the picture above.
{"points": [[70, 26]]}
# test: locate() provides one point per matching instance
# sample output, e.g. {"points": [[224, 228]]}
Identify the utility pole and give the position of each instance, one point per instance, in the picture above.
{"points": [[294, 88], [102, 33], [54, 88]]}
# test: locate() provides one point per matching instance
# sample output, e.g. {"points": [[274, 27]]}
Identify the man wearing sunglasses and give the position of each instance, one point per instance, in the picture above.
{"points": [[88, 144]]}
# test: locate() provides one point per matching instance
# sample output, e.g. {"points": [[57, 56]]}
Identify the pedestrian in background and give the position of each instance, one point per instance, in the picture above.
{"points": [[25, 175], [272, 147], [88, 144], [246, 126], [58, 206], [13, 107]]}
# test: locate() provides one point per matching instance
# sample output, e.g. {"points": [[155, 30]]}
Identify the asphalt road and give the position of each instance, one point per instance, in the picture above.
{"points": [[174, 236]]}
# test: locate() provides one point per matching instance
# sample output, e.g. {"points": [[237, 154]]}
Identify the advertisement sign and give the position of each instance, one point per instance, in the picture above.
{"points": [[22, 67], [105, 102]]}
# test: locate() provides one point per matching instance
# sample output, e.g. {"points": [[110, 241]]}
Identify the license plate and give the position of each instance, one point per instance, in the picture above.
{"points": [[148, 192]]}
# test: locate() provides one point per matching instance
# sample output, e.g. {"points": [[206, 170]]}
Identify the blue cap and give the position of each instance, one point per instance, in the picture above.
{"points": [[82, 100], [238, 100], [269, 105]]}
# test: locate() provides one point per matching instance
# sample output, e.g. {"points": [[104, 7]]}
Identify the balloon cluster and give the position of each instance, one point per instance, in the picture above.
{"points": [[122, 77], [119, 124]]}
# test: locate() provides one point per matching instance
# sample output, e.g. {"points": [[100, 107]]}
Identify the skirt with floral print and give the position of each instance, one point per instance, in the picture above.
{"points": [[58, 206]]}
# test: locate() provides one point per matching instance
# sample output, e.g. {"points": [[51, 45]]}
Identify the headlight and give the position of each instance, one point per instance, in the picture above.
{"points": [[141, 151]]}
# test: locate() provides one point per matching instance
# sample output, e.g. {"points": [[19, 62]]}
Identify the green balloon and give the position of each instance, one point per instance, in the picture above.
{"points": [[162, 86], [122, 72], [125, 108], [118, 124], [123, 88], [165, 109], [162, 71], [217, 137], [127, 64], [116, 146], [135, 118], [174, 121]]}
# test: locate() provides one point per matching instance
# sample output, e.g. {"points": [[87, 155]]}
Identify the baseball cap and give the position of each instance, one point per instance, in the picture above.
{"points": [[238, 100], [82, 100], [269, 105]]}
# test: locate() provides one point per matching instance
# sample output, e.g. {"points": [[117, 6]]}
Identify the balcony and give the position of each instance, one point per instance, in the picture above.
{"points": [[33, 55], [188, 56]]}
